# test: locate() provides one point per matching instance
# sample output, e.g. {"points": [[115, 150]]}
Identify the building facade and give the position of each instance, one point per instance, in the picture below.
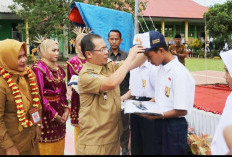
{"points": [[9, 22], [171, 17]]}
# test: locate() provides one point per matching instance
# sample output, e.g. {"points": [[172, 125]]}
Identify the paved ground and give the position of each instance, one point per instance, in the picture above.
{"points": [[208, 77]]}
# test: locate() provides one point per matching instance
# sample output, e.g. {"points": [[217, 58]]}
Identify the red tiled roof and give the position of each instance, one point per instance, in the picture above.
{"points": [[174, 9]]}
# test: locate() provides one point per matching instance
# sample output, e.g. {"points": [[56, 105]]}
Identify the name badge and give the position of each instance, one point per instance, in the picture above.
{"points": [[144, 83], [34, 114]]}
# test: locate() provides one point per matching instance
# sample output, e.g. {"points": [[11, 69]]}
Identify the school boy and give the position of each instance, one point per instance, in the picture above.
{"points": [[174, 92], [141, 87]]}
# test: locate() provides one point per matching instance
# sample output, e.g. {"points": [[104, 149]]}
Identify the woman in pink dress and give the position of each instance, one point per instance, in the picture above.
{"points": [[51, 82]]}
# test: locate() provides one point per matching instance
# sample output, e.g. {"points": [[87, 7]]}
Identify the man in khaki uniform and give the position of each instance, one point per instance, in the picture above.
{"points": [[98, 84], [178, 49]]}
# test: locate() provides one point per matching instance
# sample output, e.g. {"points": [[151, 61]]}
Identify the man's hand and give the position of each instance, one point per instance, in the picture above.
{"points": [[37, 134], [12, 151], [123, 98], [135, 50], [66, 114]]}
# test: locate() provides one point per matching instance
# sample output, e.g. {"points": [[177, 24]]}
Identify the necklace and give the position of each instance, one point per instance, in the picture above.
{"points": [[18, 97], [50, 69], [56, 80]]}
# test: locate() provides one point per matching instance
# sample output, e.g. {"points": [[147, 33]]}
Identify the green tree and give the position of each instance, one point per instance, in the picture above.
{"points": [[196, 45], [44, 16], [50, 17], [219, 23]]}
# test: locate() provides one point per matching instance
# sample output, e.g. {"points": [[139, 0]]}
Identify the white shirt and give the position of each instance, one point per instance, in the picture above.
{"points": [[174, 77], [218, 145], [142, 80]]}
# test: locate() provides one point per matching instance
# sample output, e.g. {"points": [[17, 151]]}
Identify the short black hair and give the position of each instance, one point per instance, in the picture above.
{"points": [[162, 45], [87, 43], [115, 30], [177, 36]]}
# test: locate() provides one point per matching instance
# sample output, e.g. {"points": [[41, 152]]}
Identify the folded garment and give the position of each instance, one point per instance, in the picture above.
{"points": [[73, 80]]}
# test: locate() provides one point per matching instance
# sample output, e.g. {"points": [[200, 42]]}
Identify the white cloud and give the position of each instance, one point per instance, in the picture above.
{"points": [[210, 2]]}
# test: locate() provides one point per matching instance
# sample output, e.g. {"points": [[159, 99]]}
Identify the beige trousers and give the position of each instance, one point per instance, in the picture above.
{"points": [[108, 149]]}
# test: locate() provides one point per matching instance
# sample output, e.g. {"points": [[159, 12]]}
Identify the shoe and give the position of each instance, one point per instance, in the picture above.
{"points": [[125, 151]]}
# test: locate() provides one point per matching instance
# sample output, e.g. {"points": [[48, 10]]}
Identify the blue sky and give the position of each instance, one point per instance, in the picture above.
{"points": [[210, 2]]}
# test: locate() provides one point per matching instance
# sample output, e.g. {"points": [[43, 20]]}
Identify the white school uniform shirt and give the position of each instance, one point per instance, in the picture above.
{"points": [[218, 145], [147, 73], [175, 87]]}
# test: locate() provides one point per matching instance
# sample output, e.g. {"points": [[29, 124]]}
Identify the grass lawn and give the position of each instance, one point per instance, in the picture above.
{"points": [[200, 64]]}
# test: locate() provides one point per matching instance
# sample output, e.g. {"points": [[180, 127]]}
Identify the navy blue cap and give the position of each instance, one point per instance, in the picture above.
{"points": [[156, 39]]}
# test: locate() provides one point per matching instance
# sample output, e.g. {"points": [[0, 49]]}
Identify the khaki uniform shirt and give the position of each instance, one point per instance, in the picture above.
{"points": [[10, 135], [179, 50], [99, 115]]}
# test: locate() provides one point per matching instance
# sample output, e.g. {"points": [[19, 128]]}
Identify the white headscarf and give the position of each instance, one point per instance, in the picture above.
{"points": [[227, 59], [219, 146]]}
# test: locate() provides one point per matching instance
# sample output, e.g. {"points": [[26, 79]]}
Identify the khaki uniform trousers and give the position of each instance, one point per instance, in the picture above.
{"points": [[107, 149]]}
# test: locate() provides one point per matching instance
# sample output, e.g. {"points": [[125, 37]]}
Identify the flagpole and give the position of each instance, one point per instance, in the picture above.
{"points": [[136, 17]]}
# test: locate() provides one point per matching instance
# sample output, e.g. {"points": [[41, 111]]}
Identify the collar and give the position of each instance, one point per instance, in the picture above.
{"points": [[93, 67], [112, 54], [170, 64], [145, 65]]}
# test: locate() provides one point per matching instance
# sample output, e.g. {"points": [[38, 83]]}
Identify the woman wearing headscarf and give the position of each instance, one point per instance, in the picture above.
{"points": [[219, 144], [19, 102], [74, 66], [52, 87]]}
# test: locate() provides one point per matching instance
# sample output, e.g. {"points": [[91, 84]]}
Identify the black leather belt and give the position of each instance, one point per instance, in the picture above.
{"points": [[141, 98]]}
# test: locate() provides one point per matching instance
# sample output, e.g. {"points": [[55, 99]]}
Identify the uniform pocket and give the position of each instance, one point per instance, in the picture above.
{"points": [[23, 139]]}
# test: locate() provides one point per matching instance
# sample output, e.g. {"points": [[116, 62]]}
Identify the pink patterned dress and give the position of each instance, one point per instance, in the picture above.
{"points": [[74, 66], [53, 99]]}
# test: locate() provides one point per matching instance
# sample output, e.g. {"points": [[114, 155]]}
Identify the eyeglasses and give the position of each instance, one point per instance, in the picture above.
{"points": [[104, 49]]}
